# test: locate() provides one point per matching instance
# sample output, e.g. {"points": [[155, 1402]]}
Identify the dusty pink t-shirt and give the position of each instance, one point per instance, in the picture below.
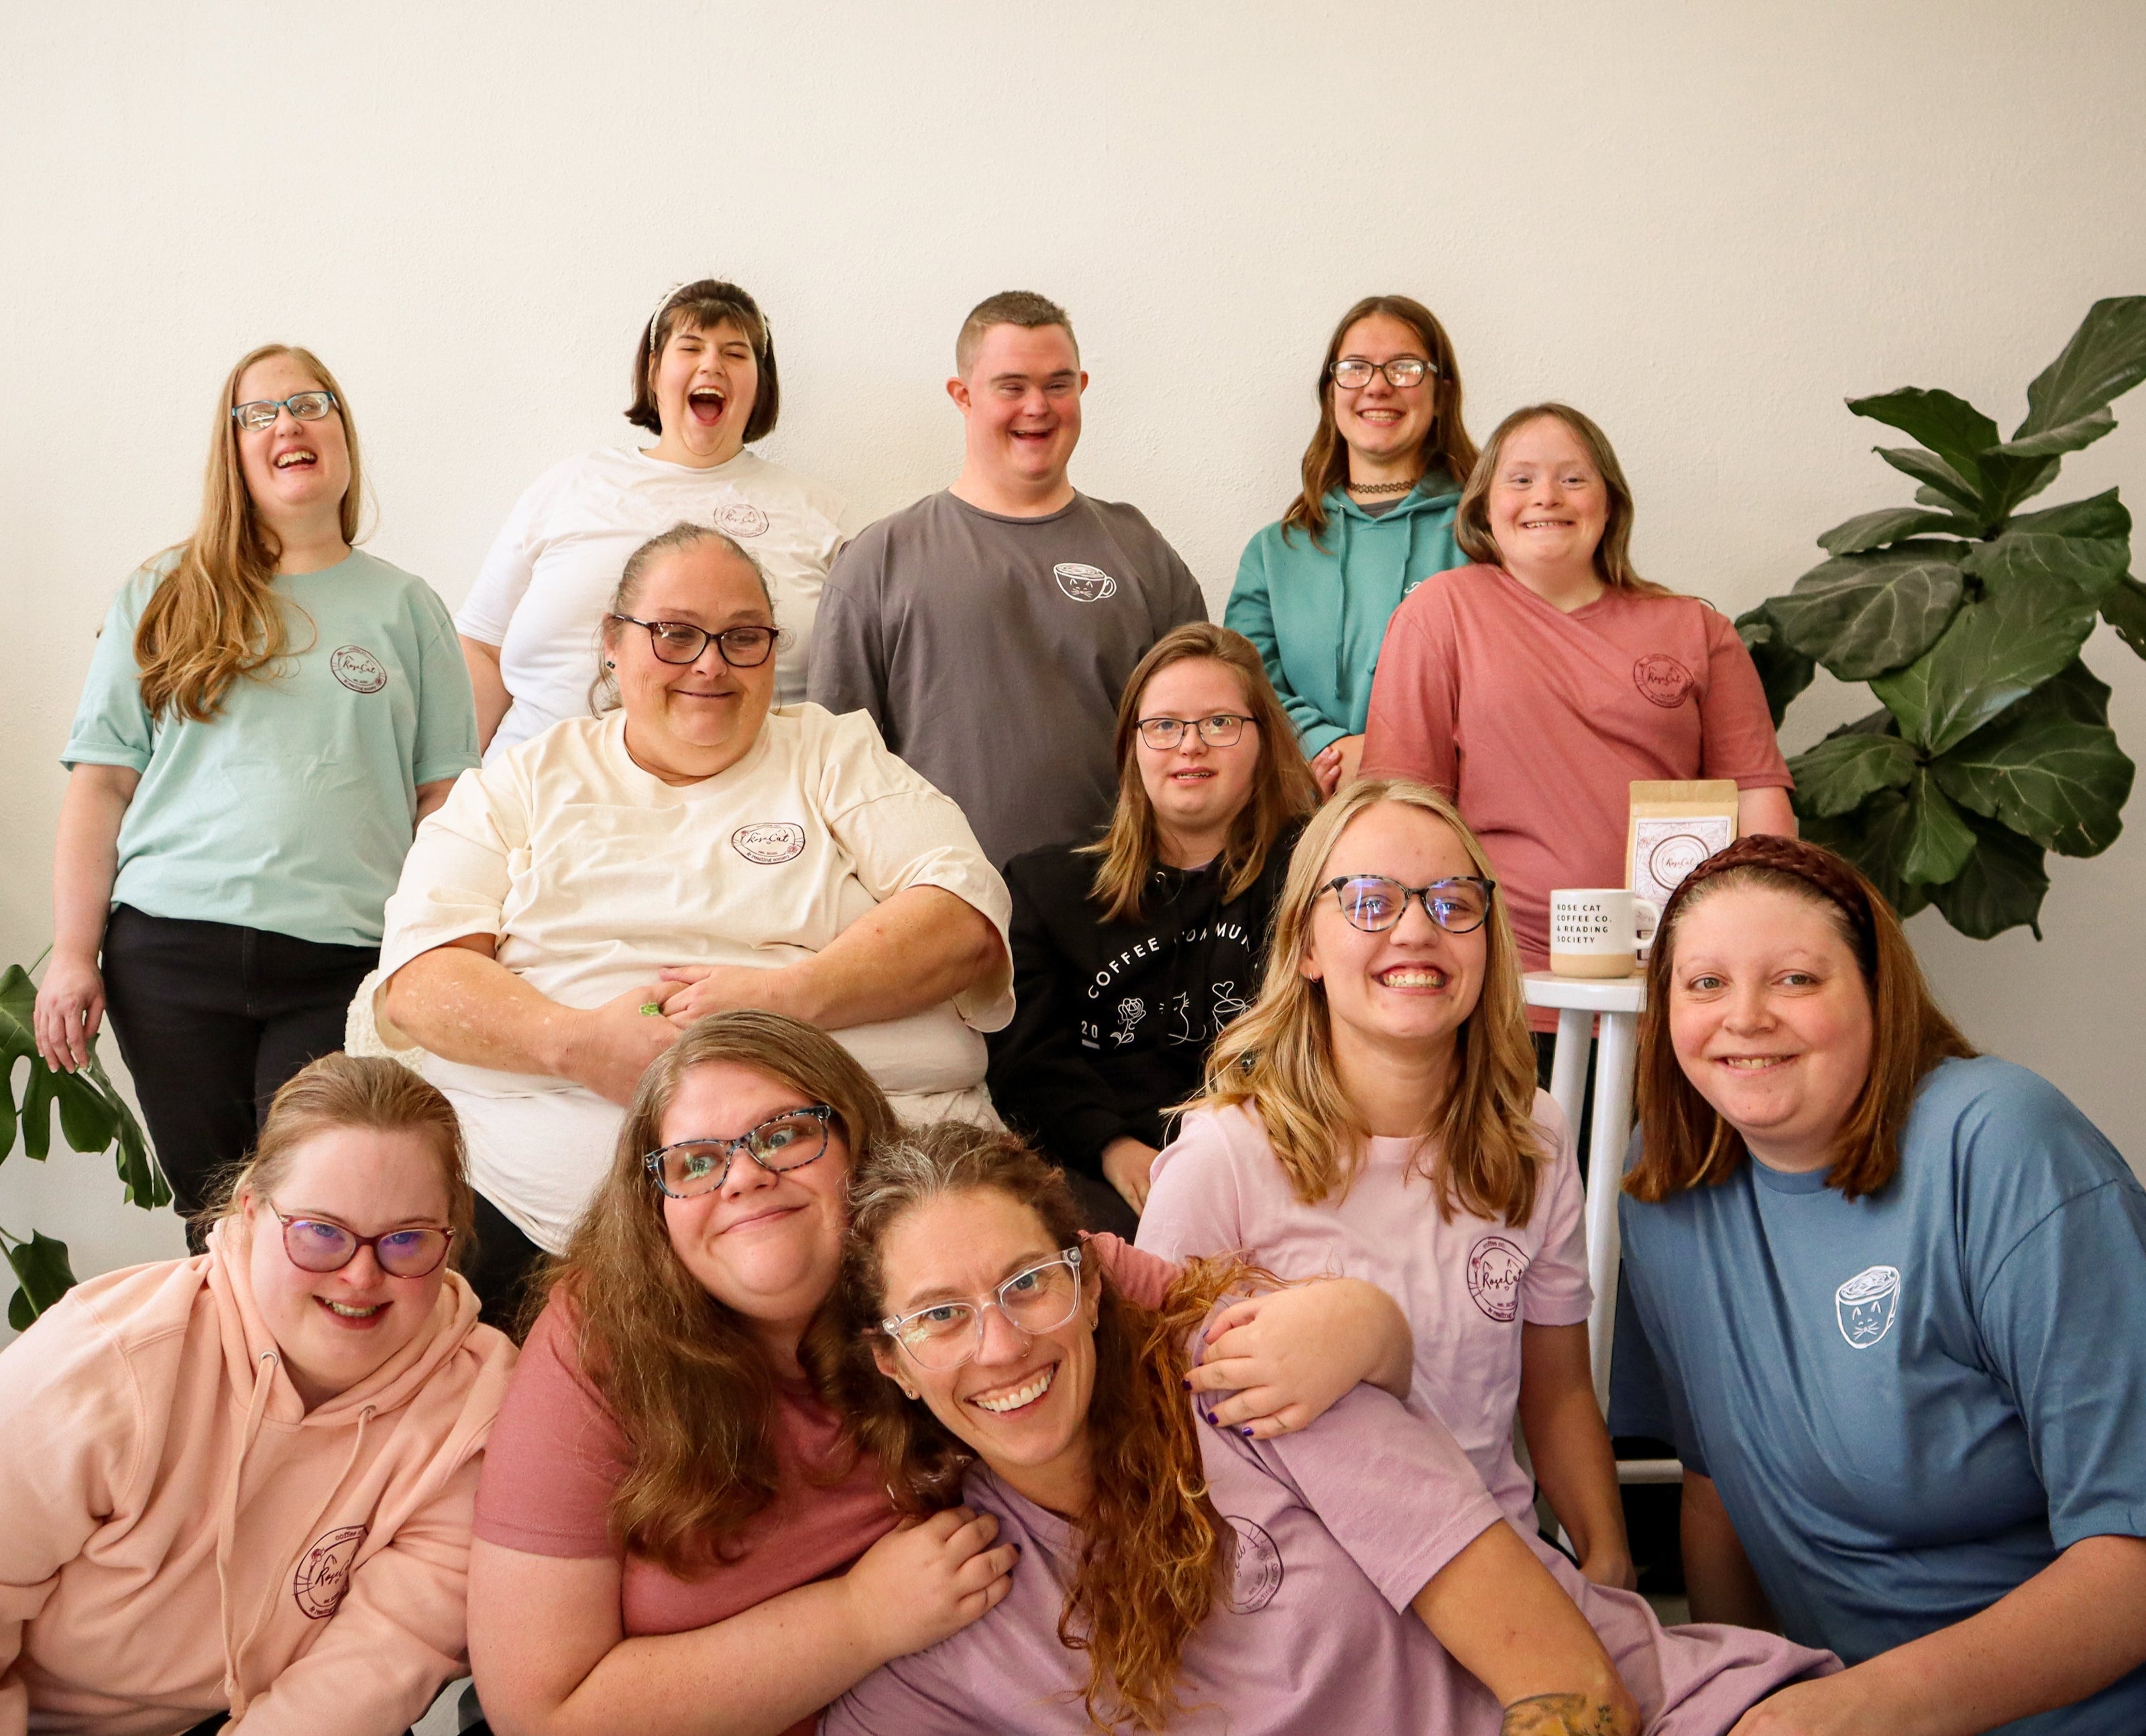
{"points": [[1466, 1284]]}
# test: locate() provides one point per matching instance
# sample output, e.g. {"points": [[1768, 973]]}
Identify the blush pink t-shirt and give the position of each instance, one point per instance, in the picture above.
{"points": [[1466, 1284]]}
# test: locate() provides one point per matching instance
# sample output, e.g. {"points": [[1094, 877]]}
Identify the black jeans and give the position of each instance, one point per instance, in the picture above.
{"points": [[504, 1273], [211, 1018]]}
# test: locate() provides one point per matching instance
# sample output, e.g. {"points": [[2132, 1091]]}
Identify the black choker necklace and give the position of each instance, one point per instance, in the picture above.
{"points": [[1383, 487]]}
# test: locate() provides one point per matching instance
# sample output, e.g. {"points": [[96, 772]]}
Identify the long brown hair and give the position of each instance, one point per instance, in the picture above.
{"points": [[689, 1384], [1685, 1141], [1154, 1555], [1613, 554], [1277, 1058], [1446, 445], [703, 304], [1283, 788], [214, 616]]}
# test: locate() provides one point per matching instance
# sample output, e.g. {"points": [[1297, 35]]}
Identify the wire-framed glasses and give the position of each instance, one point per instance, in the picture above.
{"points": [[679, 641], [1222, 730], [1401, 372], [788, 1141], [316, 1245], [308, 406], [1039, 1299], [1375, 904]]}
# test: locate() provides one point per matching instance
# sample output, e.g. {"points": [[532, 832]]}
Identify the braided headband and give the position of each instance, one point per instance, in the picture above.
{"points": [[744, 303], [1818, 868]]}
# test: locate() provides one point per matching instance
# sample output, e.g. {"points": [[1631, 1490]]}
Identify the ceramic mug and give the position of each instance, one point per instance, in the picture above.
{"points": [[1595, 931]]}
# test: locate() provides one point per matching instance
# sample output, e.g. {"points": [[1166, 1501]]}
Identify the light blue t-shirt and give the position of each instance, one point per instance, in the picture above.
{"points": [[1911, 1402], [291, 809]]}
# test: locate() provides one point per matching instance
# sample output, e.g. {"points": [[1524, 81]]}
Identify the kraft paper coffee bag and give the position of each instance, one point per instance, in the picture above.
{"points": [[1676, 825]]}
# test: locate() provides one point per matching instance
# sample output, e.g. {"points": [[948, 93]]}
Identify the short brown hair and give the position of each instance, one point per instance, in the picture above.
{"points": [[1021, 308], [1613, 554], [703, 306], [1684, 1140], [1283, 788]]}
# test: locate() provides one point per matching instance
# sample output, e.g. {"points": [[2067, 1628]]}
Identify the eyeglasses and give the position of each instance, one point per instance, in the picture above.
{"points": [[1375, 904], [316, 1245], [308, 406], [788, 1141], [946, 1335], [679, 641], [1222, 730], [1352, 371]]}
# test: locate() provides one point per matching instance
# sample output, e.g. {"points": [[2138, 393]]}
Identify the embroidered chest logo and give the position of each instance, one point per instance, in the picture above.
{"points": [[776, 840], [742, 518], [357, 669], [1258, 1571], [1866, 1305], [1495, 1267], [1662, 680], [1083, 583], [324, 1574]]}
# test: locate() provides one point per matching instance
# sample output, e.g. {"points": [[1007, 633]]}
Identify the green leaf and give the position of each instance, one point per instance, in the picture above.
{"points": [[2044, 770], [1875, 838], [1942, 485], [2077, 693], [1993, 652], [1782, 671], [92, 1114], [2002, 886], [1950, 426], [1842, 771], [2102, 515], [2124, 609], [1891, 524], [1861, 614], [2007, 482], [1940, 842], [2037, 553], [41, 1268], [2066, 438], [138, 1172], [2104, 359]]}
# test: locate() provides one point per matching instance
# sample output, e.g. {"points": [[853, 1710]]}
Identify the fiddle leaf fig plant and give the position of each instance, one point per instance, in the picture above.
{"points": [[1990, 745]]}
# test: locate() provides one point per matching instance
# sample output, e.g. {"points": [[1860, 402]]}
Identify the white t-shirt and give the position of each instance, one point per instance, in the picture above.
{"points": [[542, 590], [594, 877]]}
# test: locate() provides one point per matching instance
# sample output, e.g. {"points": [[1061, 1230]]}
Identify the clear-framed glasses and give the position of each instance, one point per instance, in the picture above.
{"points": [[317, 1245], [1222, 730], [679, 641], [308, 406], [1403, 372], [788, 1141], [1039, 1299], [1374, 903]]}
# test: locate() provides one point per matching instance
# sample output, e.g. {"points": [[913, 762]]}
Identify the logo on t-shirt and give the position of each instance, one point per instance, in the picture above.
{"points": [[1866, 1304], [357, 669], [1258, 1572], [742, 518], [1661, 679], [1083, 583], [1495, 1267], [323, 1575], [772, 842]]}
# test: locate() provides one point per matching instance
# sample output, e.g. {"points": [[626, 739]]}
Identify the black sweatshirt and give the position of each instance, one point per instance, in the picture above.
{"points": [[1112, 1020]]}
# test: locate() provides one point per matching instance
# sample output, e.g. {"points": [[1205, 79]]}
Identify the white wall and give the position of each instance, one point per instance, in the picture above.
{"points": [[1705, 225]]}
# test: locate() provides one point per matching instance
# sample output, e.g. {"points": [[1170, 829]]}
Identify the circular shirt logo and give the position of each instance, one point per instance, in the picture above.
{"points": [[1495, 1267], [324, 1574], [742, 518], [1083, 583], [1675, 856], [1662, 680], [770, 842], [1258, 1572], [1866, 1304], [357, 669]]}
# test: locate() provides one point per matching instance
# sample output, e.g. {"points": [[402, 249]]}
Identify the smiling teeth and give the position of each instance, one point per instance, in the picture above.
{"points": [[291, 458], [1751, 1063], [1014, 1400], [354, 1314], [1416, 978]]}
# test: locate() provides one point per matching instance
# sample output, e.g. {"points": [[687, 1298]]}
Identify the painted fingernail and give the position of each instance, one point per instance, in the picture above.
{"points": [[1246, 1432], [1188, 1386]]}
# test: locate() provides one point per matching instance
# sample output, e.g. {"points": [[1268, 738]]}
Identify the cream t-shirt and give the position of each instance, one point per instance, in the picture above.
{"points": [[595, 875], [541, 593]]}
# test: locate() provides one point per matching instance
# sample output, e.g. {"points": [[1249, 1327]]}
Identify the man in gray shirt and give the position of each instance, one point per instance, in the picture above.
{"points": [[989, 629]]}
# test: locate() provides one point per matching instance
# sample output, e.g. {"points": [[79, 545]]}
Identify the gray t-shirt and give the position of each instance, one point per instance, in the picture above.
{"points": [[992, 652]]}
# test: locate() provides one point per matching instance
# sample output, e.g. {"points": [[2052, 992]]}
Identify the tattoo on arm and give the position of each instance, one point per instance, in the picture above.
{"points": [[1566, 1714]]}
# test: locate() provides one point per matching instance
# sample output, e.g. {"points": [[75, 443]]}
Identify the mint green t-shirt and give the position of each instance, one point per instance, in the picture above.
{"points": [[291, 809]]}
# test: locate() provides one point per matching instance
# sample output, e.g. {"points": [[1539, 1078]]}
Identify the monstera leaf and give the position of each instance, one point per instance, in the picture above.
{"points": [[42, 1272]]}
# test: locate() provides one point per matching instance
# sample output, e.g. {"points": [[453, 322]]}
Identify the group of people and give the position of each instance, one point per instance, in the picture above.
{"points": [[930, 1141]]}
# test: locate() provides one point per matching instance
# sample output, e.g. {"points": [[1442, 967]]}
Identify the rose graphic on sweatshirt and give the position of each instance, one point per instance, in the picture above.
{"points": [[323, 1575], [1131, 1011]]}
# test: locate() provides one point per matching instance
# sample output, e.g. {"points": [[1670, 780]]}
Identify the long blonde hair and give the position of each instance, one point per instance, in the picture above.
{"points": [[1277, 1058], [1613, 554], [214, 618]]}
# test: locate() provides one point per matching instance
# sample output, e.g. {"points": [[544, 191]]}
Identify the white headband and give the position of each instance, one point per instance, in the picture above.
{"points": [[670, 295]]}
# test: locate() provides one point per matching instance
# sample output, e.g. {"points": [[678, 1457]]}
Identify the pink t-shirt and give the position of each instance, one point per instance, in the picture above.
{"points": [[1338, 1528], [1466, 1284], [1536, 722]]}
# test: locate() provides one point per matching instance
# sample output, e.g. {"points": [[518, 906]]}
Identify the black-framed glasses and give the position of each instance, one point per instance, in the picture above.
{"points": [[1041, 1297], [788, 1141], [308, 406], [1222, 730], [1375, 904], [679, 641], [1401, 372], [316, 1245]]}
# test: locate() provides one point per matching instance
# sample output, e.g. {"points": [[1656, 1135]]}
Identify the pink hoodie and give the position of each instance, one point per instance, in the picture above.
{"points": [[178, 1534]]}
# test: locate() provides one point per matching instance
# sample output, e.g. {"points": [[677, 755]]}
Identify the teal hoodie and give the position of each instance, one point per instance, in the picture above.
{"points": [[1319, 615]]}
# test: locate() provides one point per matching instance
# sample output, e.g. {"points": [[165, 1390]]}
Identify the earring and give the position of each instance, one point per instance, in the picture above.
{"points": [[908, 1391], [608, 664]]}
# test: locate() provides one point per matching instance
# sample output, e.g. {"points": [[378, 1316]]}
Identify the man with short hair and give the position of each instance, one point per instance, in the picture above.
{"points": [[989, 629]]}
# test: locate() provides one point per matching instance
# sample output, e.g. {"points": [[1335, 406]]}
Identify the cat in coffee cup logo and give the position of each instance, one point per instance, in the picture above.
{"points": [[1083, 583], [1662, 681], [324, 1574], [1866, 1305], [357, 669], [769, 842]]}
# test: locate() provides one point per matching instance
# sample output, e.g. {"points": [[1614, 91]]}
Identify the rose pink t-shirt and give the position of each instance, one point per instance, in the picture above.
{"points": [[1338, 1528], [1466, 1284]]}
